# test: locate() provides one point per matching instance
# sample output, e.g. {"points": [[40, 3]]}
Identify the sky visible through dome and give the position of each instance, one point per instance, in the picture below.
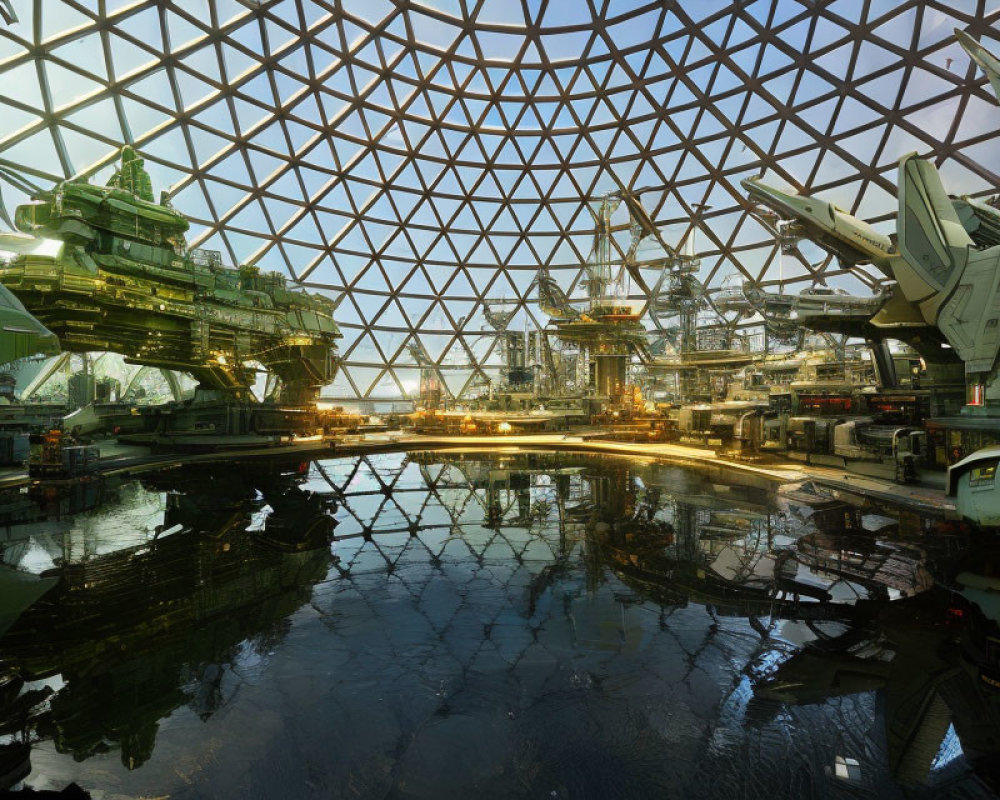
{"points": [[420, 160]]}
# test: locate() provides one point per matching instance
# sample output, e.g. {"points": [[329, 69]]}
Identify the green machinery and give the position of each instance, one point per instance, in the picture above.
{"points": [[21, 335], [125, 281]]}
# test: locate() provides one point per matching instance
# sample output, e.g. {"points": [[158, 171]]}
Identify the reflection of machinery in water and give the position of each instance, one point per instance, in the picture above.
{"points": [[733, 555], [731, 548], [736, 559], [516, 490], [588, 500], [124, 281], [864, 559], [582, 495], [682, 537], [37, 523], [935, 658], [161, 619], [521, 505]]}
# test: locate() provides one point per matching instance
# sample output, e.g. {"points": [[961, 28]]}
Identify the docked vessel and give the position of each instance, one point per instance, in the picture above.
{"points": [[125, 281]]}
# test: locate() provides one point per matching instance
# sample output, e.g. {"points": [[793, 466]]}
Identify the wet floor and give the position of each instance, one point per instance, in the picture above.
{"points": [[428, 625]]}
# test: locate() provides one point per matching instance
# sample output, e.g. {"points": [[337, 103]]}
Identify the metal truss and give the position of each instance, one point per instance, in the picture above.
{"points": [[418, 160]]}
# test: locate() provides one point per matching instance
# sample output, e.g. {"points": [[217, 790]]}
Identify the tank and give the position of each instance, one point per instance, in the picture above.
{"points": [[126, 282]]}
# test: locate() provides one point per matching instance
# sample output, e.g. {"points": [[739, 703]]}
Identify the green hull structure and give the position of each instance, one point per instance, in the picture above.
{"points": [[22, 336], [125, 282]]}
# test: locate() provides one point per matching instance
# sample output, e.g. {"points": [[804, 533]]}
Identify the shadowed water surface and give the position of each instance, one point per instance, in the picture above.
{"points": [[427, 625]]}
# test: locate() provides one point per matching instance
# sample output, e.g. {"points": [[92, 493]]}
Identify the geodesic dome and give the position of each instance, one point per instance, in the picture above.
{"points": [[421, 160]]}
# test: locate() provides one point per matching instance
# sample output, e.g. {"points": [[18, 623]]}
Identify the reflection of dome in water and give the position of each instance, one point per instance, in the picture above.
{"points": [[420, 158]]}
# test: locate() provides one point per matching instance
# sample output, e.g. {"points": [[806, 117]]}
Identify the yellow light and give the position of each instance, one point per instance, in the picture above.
{"points": [[504, 427]]}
